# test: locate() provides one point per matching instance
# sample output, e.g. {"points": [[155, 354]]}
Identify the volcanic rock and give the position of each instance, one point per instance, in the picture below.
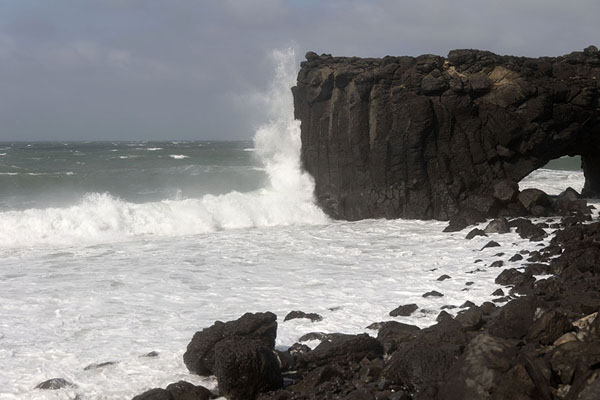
{"points": [[428, 137]]}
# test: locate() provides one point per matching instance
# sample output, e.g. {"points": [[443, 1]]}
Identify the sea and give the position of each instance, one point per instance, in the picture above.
{"points": [[113, 250]]}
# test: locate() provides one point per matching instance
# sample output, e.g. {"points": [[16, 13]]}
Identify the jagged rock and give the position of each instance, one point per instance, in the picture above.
{"points": [[422, 363], [527, 229], [506, 191], [516, 257], [499, 225], [341, 349], [514, 319], [475, 232], [55, 384], [245, 366], [535, 201], [100, 365], [393, 333], [491, 243], [488, 369], [404, 311], [181, 390], [470, 319], [549, 327], [402, 137], [300, 314], [433, 293], [200, 355]]}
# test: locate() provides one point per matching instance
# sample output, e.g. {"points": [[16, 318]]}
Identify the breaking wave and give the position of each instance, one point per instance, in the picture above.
{"points": [[287, 197]]}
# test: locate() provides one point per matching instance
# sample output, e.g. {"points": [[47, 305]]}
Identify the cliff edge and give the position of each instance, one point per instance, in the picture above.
{"points": [[426, 137]]}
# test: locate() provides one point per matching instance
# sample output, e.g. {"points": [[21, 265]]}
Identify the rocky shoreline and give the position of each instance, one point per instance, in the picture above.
{"points": [[543, 343]]}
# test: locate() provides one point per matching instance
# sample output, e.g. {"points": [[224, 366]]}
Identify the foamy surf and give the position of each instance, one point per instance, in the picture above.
{"points": [[286, 198]]}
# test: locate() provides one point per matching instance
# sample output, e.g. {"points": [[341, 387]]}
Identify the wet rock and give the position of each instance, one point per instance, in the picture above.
{"points": [[393, 333], [433, 293], [513, 320], [421, 363], [300, 314], [245, 367], [181, 390], [487, 308], [528, 230], [404, 311], [151, 354], [341, 349], [100, 365], [521, 281], [470, 319], [497, 264], [200, 355], [548, 327], [444, 277], [475, 232], [467, 304], [506, 191], [499, 225], [498, 292], [491, 243], [516, 257], [55, 384], [531, 198], [488, 369]]}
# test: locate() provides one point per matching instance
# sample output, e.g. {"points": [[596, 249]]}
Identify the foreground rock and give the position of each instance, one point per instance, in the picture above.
{"points": [[432, 137], [177, 391]]}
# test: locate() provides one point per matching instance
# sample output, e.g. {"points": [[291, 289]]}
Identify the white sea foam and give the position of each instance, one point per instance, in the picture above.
{"points": [[179, 156], [154, 148]]}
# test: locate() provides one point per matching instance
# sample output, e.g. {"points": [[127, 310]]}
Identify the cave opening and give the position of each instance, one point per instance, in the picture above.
{"points": [[556, 176]]}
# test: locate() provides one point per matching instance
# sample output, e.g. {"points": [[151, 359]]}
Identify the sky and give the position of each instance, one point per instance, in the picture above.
{"points": [[188, 69]]}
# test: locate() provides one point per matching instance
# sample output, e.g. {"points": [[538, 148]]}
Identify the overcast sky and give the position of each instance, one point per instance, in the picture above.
{"points": [[186, 69]]}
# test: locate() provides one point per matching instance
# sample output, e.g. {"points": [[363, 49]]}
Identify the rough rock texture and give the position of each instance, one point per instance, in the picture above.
{"points": [[428, 136], [200, 355]]}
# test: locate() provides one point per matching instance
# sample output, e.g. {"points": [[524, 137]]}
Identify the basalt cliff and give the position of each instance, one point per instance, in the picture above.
{"points": [[428, 136]]}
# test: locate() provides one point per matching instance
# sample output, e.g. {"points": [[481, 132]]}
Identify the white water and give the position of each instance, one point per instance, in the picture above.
{"points": [[109, 280], [286, 199]]}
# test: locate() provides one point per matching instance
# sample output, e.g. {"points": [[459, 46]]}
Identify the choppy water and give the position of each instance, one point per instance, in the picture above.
{"points": [[111, 250]]}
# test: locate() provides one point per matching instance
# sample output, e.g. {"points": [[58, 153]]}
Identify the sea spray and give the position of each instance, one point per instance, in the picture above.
{"points": [[286, 198]]}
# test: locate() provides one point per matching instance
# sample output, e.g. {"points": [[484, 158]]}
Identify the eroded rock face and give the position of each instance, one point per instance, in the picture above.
{"points": [[427, 137]]}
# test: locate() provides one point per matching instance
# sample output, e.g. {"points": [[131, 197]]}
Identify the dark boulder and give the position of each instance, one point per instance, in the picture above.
{"points": [[300, 314], [527, 229], [177, 391], [404, 311], [514, 319], [491, 243], [475, 232], [55, 384], [422, 363], [394, 333], [341, 349], [246, 366], [433, 293], [499, 225], [200, 355], [488, 369]]}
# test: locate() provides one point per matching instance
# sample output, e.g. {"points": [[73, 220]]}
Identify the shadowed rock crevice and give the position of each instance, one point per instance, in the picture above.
{"points": [[426, 137]]}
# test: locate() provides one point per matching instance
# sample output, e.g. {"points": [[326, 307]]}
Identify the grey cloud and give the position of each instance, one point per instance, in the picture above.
{"points": [[151, 69]]}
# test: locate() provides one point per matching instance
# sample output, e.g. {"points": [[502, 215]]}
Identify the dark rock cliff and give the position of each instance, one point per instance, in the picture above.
{"points": [[428, 136]]}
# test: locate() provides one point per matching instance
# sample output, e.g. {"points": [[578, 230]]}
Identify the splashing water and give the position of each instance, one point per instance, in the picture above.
{"points": [[286, 199]]}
